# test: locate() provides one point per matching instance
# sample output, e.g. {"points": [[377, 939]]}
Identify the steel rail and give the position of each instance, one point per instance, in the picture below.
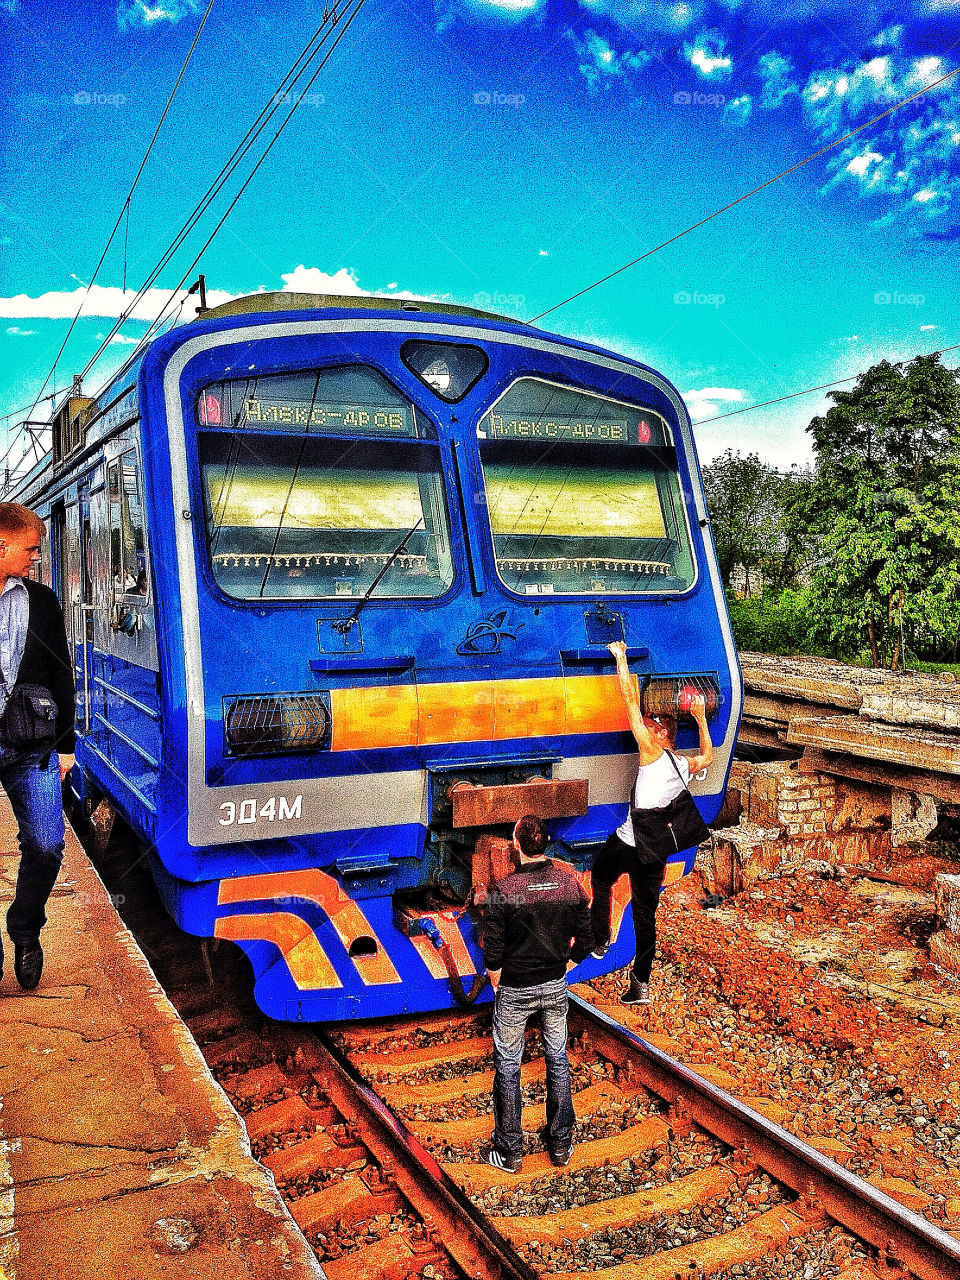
{"points": [[899, 1234], [467, 1234]]}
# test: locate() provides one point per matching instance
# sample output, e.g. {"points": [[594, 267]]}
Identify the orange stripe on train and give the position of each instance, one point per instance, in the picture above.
{"points": [[308, 963], [474, 711], [316, 886]]}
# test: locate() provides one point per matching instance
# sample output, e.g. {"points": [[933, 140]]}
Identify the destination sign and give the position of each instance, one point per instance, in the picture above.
{"points": [[330, 417], [608, 429]]}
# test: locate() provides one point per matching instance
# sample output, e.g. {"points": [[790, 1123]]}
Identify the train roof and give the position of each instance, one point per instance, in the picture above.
{"points": [[253, 303]]}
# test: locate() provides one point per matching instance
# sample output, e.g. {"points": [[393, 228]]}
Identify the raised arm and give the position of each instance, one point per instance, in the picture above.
{"points": [[649, 749], [703, 759]]}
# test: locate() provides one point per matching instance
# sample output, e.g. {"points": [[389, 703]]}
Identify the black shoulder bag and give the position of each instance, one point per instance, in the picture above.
{"points": [[29, 719], [659, 833]]}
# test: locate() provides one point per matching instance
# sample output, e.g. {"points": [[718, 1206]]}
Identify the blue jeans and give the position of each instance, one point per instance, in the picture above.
{"points": [[37, 801], [513, 1007]]}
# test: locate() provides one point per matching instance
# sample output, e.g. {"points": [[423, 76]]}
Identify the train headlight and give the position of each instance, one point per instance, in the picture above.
{"points": [[271, 724], [673, 695]]}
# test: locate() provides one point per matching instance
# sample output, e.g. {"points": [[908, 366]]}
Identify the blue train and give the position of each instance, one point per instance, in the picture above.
{"points": [[339, 575]]}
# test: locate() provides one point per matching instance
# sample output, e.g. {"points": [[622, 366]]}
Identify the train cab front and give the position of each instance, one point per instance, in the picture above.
{"points": [[400, 549]]}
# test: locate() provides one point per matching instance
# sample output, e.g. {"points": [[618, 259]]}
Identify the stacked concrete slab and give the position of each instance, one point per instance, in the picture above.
{"points": [[869, 765]]}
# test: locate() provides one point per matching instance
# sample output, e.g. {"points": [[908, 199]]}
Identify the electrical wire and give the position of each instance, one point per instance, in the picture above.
{"points": [[124, 209], [14, 413], [240, 151], [308, 53], [739, 200], [924, 355]]}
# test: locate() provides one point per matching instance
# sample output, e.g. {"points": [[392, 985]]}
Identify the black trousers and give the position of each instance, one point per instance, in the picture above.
{"points": [[614, 860]]}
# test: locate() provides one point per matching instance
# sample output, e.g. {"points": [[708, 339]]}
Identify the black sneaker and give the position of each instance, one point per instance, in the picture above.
{"points": [[600, 950], [560, 1156], [503, 1161], [28, 963], [636, 993]]}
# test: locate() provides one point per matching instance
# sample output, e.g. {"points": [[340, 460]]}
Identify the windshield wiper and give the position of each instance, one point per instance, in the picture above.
{"points": [[343, 625]]}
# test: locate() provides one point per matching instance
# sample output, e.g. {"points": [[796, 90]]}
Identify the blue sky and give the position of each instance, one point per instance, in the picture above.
{"points": [[505, 153]]}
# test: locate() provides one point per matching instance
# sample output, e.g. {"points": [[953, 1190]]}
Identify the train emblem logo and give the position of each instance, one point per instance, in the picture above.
{"points": [[487, 635]]}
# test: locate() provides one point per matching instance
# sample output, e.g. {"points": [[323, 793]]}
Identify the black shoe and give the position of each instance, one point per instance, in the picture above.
{"points": [[636, 993], [28, 963], [560, 1156], [502, 1160], [600, 950]]}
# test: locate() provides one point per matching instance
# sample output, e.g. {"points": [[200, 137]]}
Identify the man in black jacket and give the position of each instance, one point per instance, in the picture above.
{"points": [[536, 927], [33, 650]]}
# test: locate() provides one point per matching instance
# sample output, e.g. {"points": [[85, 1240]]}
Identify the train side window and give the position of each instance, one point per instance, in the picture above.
{"points": [[128, 556]]}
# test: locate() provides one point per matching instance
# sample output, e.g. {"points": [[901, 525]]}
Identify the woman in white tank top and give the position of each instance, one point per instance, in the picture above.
{"points": [[662, 775]]}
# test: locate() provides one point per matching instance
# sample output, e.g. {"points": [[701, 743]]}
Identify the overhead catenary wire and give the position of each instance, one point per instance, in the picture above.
{"points": [[334, 18], [147, 336], [331, 19], [746, 196], [280, 94], [823, 386], [124, 209]]}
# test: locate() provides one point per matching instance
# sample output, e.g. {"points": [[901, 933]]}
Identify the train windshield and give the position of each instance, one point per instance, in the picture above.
{"points": [[297, 509], [583, 494]]}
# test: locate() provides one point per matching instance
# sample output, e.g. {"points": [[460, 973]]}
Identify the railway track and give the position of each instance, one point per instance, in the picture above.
{"points": [[373, 1132]]}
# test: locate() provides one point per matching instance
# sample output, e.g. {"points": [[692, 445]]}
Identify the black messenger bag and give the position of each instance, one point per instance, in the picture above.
{"points": [[30, 718], [659, 833]]}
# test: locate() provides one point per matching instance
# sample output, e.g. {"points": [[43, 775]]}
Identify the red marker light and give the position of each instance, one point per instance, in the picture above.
{"points": [[643, 431], [687, 694], [211, 414]]}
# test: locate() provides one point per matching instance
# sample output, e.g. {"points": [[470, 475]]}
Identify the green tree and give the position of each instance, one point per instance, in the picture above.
{"points": [[885, 508], [750, 504]]}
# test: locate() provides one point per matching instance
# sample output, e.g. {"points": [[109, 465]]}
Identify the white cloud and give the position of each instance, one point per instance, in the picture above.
{"points": [[137, 14], [544, 253], [927, 194], [20, 333], [860, 165], [706, 55], [312, 280], [925, 328], [739, 110], [119, 340], [889, 38], [708, 401], [501, 12], [777, 75], [103, 300], [600, 63]]}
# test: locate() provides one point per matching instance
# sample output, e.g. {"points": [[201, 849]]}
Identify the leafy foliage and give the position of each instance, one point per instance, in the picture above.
{"points": [[750, 507], [776, 622], [884, 508]]}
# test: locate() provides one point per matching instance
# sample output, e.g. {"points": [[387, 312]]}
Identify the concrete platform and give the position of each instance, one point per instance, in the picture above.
{"points": [[120, 1156]]}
